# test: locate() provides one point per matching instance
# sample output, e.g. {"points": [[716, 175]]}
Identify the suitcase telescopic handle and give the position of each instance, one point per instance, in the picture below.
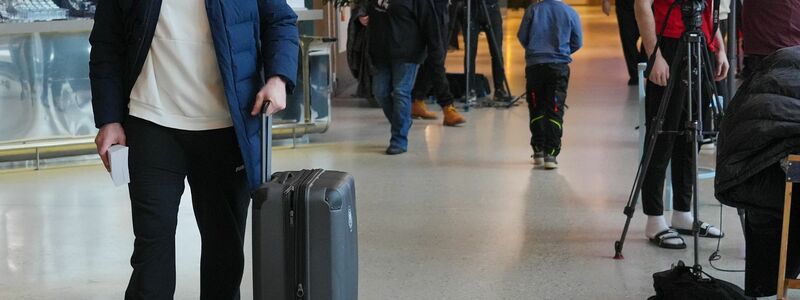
{"points": [[266, 144]]}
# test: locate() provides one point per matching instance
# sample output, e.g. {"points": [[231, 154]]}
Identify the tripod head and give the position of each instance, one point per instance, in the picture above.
{"points": [[692, 12]]}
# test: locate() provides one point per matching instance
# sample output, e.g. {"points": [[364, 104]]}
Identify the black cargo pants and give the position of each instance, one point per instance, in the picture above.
{"points": [[160, 159], [546, 91]]}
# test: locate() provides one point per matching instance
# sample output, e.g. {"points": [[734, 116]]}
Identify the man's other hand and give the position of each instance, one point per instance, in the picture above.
{"points": [[273, 92], [722, 66], [109, 135]]}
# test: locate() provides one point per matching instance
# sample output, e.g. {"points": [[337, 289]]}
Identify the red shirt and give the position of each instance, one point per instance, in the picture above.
{"points": [[675, 27]]}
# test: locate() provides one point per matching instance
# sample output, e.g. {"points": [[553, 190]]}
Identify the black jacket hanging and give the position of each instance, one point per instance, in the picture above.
{"points": [[761, 127]]}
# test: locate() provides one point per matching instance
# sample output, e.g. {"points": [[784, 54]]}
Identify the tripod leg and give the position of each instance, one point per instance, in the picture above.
{"points": [[694, 102], [514, 102], [468, 72], [644, 165], [711, 88], [707, 79]]}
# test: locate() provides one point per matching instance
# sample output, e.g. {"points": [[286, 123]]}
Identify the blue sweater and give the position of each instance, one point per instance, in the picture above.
{"points": [[550, 32]]}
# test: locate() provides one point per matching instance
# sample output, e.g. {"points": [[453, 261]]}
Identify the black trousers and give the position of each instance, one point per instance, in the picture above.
{"points": [[763, 240], [426, 83], [481, 24], [546, 91], [160, 159], [629, 36], [457, 12], [677, 148]]}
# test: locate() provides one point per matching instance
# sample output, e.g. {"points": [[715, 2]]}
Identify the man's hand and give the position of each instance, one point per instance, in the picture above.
{"points": [[722, 65], [273, 92], [109, 135], [660, 72], [607, 7], [364, 20]]}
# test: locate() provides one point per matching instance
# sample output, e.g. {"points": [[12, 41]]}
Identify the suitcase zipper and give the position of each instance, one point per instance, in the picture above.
{"points": [[301, 237], [300, 247], [296, 228], [292, 260]]}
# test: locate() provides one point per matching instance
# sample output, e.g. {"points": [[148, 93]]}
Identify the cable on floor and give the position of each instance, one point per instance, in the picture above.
{"points": [[715, 256]]}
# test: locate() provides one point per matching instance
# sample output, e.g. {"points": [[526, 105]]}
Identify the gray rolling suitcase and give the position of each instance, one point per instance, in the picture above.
{"points": [[305, 243]]}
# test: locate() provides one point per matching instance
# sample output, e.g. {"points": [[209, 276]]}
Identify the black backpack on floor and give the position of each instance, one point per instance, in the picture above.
{"points": [[458, 83], [680, 283]]}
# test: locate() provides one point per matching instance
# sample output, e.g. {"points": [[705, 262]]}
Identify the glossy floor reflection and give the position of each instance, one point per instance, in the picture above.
{"points": [[463, 215]]}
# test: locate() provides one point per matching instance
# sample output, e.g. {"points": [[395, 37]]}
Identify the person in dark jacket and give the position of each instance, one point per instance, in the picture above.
{"points": [[181, 83], [761, 128], [424, 85], [358, 52], [403, 32]]}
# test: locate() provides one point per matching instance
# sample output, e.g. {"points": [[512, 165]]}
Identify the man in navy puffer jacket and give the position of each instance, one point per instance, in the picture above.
{"points": [[181, 83]]}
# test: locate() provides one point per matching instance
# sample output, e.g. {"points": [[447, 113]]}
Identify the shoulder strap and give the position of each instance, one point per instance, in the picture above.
{"points": [[652, 59], [715, 17]]}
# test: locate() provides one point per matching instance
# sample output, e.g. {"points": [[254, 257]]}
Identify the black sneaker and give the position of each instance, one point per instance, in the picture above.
{"points": [[550, 162], [395, 150], [502, 95]]}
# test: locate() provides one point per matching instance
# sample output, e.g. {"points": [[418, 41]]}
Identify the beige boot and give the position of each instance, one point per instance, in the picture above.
{"points": [[420, 111], [452, 117]]}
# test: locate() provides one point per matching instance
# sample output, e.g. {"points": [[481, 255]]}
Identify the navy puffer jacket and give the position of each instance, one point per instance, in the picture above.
{"points": [[762, 127], [254, 40]]}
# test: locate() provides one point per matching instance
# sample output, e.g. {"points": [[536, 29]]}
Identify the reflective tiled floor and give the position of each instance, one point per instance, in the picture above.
{"points": [[463, 215]]}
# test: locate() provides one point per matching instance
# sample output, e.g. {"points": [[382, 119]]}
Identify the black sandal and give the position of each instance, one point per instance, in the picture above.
{"points": [[703, 231], [669, 234]]}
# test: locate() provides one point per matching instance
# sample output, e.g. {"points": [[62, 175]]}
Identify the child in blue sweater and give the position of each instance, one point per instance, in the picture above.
{"points": [[551, 33]]}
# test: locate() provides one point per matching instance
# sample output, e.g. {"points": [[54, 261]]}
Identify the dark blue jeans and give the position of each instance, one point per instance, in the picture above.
{"points": [[391, 85]]}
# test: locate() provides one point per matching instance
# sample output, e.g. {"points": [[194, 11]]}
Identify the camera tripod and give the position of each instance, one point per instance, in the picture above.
{"points": [[690, 67], [469, 71]]}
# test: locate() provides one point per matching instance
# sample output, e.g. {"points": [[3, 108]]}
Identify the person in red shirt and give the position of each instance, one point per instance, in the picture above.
{"points": [[651, 15]]}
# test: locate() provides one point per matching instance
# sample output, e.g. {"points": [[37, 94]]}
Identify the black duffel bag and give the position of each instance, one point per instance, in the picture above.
{"points": [[458, 81], [680, 283]]}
